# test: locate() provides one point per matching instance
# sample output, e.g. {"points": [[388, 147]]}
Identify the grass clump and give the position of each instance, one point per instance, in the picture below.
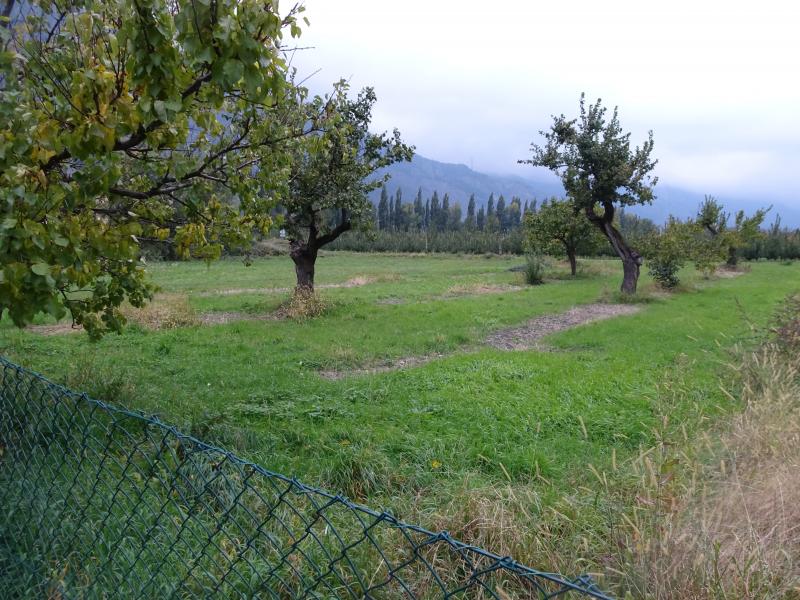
{"points": [[166, 311], [304, 304], [535, 265]]}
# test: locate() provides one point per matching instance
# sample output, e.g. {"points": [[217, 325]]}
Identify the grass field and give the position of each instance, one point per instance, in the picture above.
{"points": [[477, 418]]}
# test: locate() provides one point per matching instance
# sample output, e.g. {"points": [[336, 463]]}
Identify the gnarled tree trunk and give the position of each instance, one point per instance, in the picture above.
{"points": [[631, 259], [304, 252], [304, 258]]}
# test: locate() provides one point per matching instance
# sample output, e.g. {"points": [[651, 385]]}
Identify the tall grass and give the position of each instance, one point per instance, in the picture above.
{"points": [[713, 517]]}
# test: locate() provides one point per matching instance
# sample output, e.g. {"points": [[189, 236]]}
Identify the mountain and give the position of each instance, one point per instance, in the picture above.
{"points": [[459, 181]]}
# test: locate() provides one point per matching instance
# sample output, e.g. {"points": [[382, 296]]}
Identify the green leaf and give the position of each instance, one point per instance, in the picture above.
{"points": [[41, 269], [9, 223]]}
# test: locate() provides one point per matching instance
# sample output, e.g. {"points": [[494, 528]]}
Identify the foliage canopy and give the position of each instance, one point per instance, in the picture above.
{"points": [[122, 122], [600, 172]]}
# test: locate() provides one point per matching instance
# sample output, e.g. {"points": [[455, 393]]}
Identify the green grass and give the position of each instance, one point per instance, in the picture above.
{"points": [[478, 415]]}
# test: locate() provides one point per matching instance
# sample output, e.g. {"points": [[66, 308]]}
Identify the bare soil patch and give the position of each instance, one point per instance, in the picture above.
{"points": [[166, 311], [478, 289], [64, 328], [524, 337], [350, 283], [728, 273], [221, 318], [395, 365], [527, 336], [390, 301]]}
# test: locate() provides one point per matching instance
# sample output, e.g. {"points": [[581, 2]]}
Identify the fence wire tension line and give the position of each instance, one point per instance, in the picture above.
{"points": [[99, 501]]}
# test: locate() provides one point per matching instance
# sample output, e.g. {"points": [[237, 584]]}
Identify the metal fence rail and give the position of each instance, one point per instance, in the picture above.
{"points": [[97, 501]]}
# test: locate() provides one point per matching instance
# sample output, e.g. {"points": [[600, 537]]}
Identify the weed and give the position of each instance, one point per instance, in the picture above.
{"points": [[166, 311], [535, 265], [304, 304]]}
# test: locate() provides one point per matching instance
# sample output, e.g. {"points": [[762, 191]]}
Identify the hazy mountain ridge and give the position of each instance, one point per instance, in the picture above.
{"points": [[459, 181]]}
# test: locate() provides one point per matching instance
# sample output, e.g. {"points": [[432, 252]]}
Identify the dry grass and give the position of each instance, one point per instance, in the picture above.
{"points": [[687, 519], [165, 311], [722, 519], [478, 289], [302, 304]]}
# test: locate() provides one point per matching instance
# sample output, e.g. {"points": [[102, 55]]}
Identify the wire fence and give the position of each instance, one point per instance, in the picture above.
{"points": [[98, 501]]}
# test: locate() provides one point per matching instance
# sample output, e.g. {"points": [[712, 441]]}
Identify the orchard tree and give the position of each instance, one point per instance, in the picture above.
{"points": [[558, 227], [600, 173], [712, 218], [124, 122], [667, 250], [333, 173]]}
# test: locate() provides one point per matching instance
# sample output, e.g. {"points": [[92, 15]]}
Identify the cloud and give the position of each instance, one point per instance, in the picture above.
{"points": [[474, 82]]}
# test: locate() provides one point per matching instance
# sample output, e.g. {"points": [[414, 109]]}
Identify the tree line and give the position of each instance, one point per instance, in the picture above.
{"points": [[435, 215]]}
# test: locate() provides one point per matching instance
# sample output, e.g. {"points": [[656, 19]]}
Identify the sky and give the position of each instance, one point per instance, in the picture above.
{"points": [[472, 82]]}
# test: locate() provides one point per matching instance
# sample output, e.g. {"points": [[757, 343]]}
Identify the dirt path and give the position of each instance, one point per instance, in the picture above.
{"points": [[523, 337], [395, 365], [527, 336], [350, 283]]}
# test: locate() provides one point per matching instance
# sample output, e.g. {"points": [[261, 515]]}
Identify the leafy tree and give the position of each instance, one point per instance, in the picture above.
{"points": [[444, 214], [470, 224], [502, 217], [558, 227], [419, 210], [514, 213], [668, 250], [600, 173], [480, 220], [400, 220], [383, 210], [712, 218], [634, 228], [128, 122], [490, 206], [454, 217], [433, 220], [427, 222], [335, 174]]}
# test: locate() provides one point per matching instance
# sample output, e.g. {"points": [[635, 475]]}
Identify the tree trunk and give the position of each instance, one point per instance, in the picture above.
{"points": [[573, 264], [304, 258], [733, 258], [631, 260]]}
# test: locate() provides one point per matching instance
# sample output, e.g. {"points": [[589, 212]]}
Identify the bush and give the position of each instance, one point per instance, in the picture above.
{"points": [[534, 269], [303, 304], [667, 251], [665, 271]]}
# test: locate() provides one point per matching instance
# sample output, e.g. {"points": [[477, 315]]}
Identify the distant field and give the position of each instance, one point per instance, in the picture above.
{"points": [[477, 413]]}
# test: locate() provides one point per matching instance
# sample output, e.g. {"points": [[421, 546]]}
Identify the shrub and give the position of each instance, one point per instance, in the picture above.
{"points": [[665, 271], [534, 269], [667, 251], [304, 304]]}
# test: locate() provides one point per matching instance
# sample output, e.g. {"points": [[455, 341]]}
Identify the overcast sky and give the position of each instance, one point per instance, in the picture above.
{"points": [[473, 82]]}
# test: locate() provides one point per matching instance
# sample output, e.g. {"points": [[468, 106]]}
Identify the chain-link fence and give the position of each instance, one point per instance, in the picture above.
{"points": [[97, 501]]}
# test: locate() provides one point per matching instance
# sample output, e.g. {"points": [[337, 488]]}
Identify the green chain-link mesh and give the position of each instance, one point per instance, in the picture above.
{"points": [[97, 502]]}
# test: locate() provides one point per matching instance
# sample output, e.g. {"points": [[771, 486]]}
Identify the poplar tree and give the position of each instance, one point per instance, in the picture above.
{"points": [[383, 210], [481, 219], [470, 223], [502, 217]]}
